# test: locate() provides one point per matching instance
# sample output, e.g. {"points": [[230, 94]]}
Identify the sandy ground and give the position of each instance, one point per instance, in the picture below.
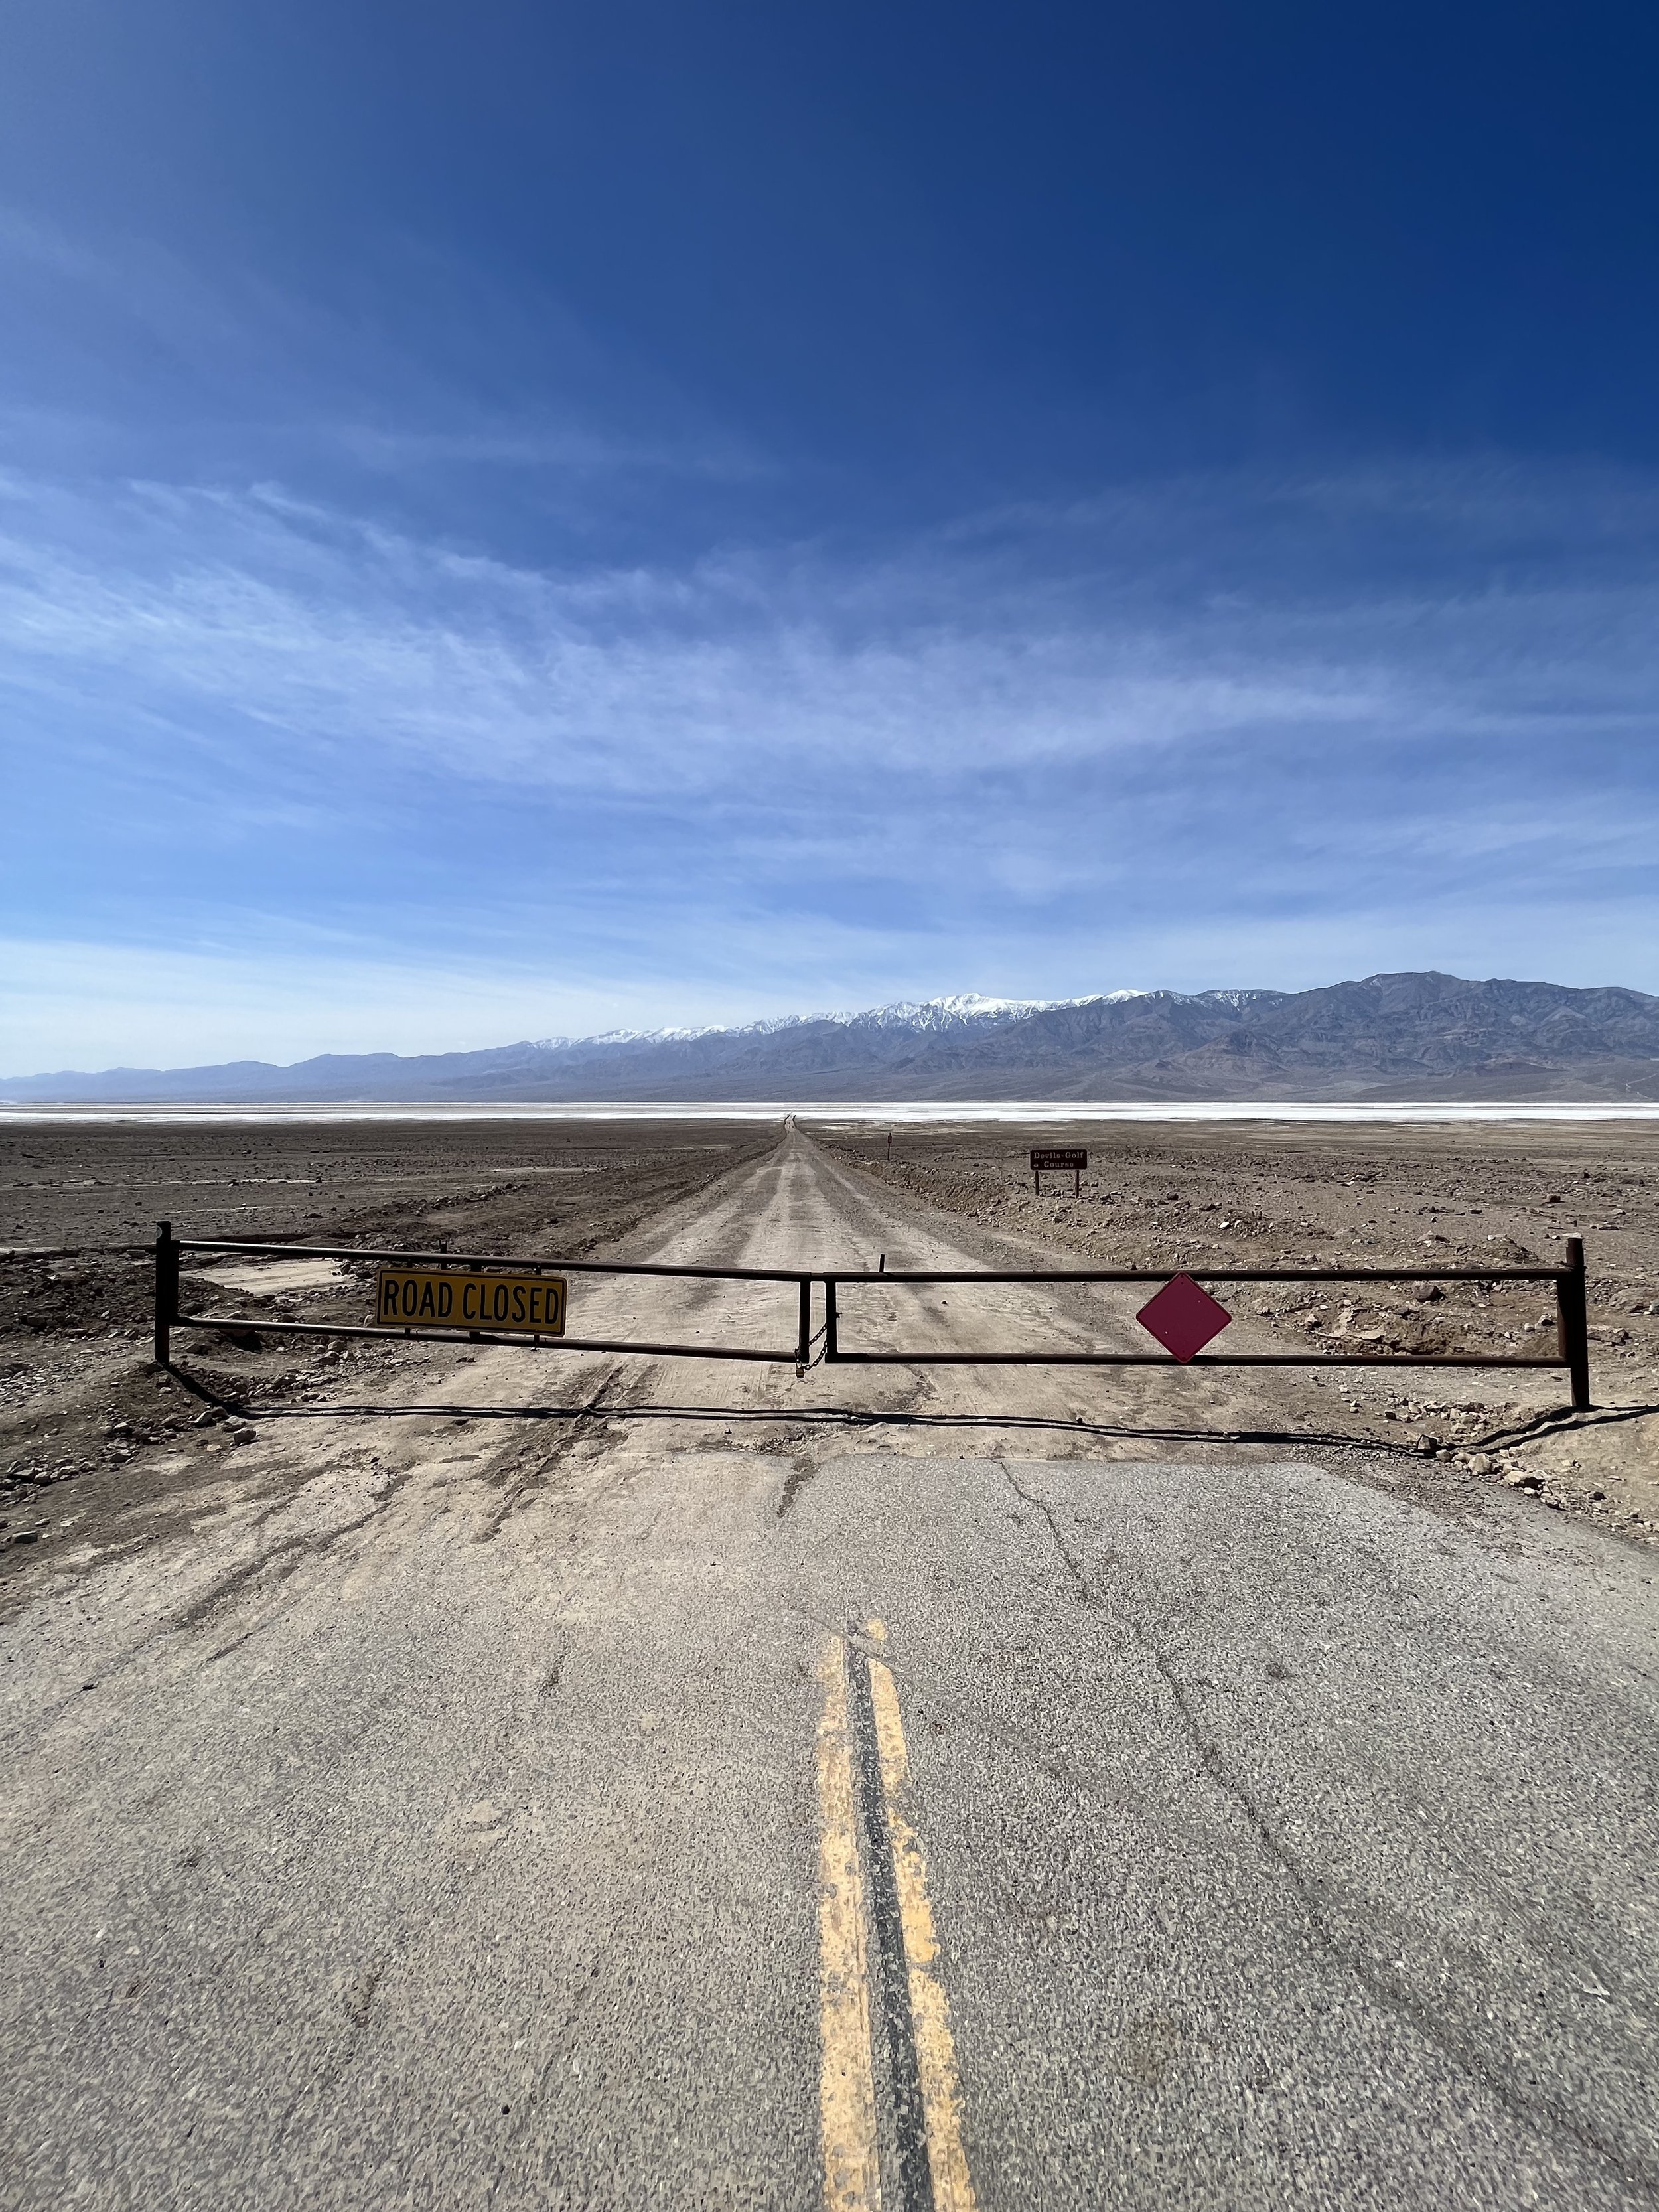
{"points": [[413, 1803], [79, 1404], [79, 1398], [1272, 1196]]}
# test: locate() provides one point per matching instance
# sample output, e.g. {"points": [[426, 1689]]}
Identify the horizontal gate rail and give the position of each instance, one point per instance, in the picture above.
{"points": [[1205, 1274], [245, 1323], [404, 1255]]}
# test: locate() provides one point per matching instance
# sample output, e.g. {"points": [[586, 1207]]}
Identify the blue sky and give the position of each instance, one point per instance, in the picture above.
{"points": [[518, 520]]}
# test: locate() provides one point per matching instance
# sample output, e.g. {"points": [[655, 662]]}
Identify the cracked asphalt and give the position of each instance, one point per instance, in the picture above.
{"points": [[433, 1823]]}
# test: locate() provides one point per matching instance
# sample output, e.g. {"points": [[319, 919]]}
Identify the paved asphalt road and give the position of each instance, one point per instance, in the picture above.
{"points": [[645, 1818]]}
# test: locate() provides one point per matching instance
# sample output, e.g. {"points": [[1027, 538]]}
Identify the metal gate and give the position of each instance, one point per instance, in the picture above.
{"points": [[461, 1264], [1570, 1356]]}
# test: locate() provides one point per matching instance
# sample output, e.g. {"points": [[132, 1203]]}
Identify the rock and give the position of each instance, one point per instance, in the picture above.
{"points": [[244, 1435], [1508, 1249], [1522, 1479], [1482, 1463], [1424, 1446]]}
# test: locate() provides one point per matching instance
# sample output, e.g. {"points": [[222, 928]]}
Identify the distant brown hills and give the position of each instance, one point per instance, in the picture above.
{"points": [[1423, 1036]]}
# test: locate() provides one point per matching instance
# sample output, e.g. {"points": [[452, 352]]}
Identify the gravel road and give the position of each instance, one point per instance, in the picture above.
{"points": [[573, 1781]]}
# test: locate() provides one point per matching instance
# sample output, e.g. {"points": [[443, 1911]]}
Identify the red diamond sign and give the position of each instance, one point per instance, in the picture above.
{"points": [[1182, 1317]]}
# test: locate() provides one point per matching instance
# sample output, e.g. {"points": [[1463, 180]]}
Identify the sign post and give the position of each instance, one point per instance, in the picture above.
{"points": [[1059, 1160]]}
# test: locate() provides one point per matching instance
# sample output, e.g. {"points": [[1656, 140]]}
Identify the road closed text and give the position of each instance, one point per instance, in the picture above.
{"points": [[419, 1297]]}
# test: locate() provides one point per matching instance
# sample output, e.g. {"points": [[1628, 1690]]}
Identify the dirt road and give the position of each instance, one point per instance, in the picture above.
{"points": [[575, 1781]]}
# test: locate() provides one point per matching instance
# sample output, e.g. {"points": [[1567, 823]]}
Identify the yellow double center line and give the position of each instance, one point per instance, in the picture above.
{"points": [[873, 1910]]}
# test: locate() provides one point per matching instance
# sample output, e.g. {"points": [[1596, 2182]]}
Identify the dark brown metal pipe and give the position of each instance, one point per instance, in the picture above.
{"points": [[246, 1324], [402, 1258], [1213, 1275], [1572, 1323], [167, 1291], [1199, 1359]]}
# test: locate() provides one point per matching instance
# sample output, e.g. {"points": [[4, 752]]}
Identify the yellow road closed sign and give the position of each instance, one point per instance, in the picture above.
{"points": [[428, 1298]]}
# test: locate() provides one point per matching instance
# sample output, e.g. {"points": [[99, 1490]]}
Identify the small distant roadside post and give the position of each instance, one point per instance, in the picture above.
{"points": [[1058, 1160]]}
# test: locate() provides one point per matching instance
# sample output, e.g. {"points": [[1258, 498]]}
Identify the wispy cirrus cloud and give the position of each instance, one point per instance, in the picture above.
{"points": [[934, 659], [1022, 753], [316, 624]]}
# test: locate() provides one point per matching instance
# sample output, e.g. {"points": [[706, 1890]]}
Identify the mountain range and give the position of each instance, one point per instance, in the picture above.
{"points": [[1425, 1037]]}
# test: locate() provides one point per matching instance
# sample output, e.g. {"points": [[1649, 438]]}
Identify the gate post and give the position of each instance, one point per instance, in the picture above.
{"points": [[1572, 1323], [167, 1291], [831, 1342], [803, 1332]]}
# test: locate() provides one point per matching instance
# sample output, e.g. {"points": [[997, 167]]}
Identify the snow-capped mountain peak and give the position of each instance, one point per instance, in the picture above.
{"points": [[959, 1010]]}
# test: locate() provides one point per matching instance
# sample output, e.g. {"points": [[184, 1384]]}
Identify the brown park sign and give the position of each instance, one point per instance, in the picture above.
{"points": [[1061, 1160]]}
